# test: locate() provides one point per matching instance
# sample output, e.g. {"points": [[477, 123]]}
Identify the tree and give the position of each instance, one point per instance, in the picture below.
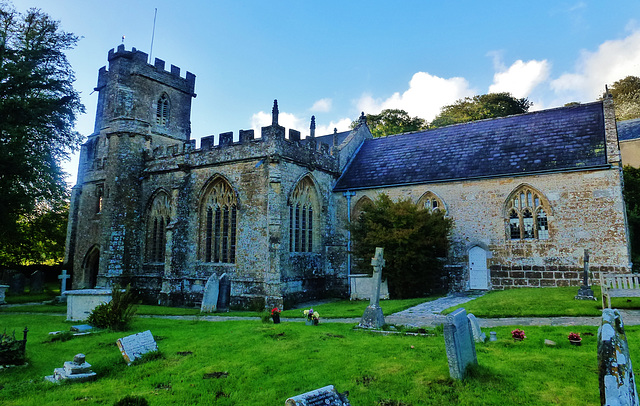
{"points": [[413, 239], [631, 192], [392, 121], [38, 109], [480, 107], [626, 97]]}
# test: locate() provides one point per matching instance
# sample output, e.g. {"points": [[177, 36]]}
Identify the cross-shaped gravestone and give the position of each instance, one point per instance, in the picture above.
{"points": [[585, 292], [373, 316], [63, 281], [377, 262]]}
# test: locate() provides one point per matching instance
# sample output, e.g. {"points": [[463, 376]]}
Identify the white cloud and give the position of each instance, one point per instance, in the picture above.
{"points": [[342, 125], [322, 106], [520, 78], [613, 60], [424, 97]]}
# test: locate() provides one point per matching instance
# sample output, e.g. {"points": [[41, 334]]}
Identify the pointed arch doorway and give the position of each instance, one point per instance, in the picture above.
{"points": [[478, 272], [90, 267]]}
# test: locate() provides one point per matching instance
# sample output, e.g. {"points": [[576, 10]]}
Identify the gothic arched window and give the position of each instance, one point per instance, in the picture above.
{"points": [[157, 221], [218, 223], [303, 213], [359, 207], [527, 211], [429, 201], [162, 110]]}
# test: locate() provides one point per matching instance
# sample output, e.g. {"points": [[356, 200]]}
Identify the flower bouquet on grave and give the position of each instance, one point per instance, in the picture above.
{"points": [[575, 339], [518, 335], [313, 317], [275, 315]]}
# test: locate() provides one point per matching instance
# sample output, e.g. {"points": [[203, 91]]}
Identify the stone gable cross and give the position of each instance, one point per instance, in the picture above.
{"points": [[377, 262], [63, 281]]}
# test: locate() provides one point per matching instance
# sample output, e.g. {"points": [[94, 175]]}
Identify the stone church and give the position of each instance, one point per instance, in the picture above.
{"points": [[527, 194]]}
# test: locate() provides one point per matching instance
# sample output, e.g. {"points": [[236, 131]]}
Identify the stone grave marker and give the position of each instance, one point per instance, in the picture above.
{"points": [[478, 335], [36, 282], [459, 344], [585, 292], [3, 291], [373, 316], [617, 382], [224, 293], [320, 397], [135, 346], [63, 281], [211, 293], [78, 370], [17, 284]]}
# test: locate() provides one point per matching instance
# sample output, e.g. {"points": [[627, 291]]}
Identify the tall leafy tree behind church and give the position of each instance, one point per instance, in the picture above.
{"points": [[392, 121], [626, 97], [414, 241], [480, 107], [38, 109], [631, 193]]}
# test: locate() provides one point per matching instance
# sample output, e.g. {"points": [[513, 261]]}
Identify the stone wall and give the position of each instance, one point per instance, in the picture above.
{"points": [[587, 212]]}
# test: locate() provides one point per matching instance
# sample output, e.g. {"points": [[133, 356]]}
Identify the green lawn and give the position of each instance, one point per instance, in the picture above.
{"points": [[541, 302], [251, 363]]}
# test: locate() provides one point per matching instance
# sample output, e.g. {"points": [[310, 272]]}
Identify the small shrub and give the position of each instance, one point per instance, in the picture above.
{"points": [[116, 314], [265, 317], [132, 400], [12, 351]]}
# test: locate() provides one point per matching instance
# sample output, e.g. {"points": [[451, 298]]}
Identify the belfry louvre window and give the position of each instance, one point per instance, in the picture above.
{"points": [[527, 211], [162, 110], [219, 219], [157, 221], [302, 217]]}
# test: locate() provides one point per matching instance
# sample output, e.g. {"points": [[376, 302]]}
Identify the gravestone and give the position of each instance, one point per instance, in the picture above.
{"points": [[63, 281], [320, 397], [224, 293], [478, 335], [78, 370], [81, 302], [616, 379], [36, 282], [17, 284], [135, 346], [211, 293], [585, 292], [373, 316], [459, 344], [3, 291]]}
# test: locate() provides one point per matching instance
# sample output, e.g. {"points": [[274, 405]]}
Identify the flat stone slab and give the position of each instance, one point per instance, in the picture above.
{"points": [[324, 396], [81, 328], [135, 346], [81, 302]]}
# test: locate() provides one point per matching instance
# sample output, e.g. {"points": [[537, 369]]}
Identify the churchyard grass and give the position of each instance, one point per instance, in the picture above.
{"points": [[51, 290], [355, 308], [541, 302], [251, 363]]}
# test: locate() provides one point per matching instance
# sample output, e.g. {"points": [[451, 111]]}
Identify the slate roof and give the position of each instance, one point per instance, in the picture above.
{"points": [[549, 140], [628, 129]]}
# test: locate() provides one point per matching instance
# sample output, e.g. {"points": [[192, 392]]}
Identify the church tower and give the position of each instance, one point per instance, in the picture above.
{"points": [[141, 107]]}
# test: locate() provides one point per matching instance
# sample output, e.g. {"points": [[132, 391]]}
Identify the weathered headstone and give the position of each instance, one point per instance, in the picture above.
{"points": [[210, 296], [36, 282], [78, 370], [224, 293], [3, 291], [373, 316], [478, 335], [617, 382], [81, 302], [324, 396], [135, 346], [17, 284], [585, 292], [459, 344]]}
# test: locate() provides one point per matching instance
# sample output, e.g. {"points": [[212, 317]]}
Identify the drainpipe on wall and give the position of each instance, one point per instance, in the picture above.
{"points": [[348, 194]]}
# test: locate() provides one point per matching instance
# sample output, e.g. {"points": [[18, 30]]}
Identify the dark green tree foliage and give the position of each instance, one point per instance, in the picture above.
{"points": [[38, 108], [481, 107], [626, 97], [392, 121], [631, 194], [39, 238], [413, 239]]}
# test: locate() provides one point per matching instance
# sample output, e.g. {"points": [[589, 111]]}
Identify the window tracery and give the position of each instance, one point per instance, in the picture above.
{"points": [[219, 220], [429, 201], [162, 110], [302, 217], [527, 211], [158, 219]]}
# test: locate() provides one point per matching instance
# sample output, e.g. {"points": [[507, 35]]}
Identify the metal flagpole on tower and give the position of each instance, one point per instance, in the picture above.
{"points": [[153, 33]]}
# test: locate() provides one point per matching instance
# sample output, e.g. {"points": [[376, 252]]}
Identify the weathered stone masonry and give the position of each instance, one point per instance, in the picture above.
{"points": [[527, 195]]}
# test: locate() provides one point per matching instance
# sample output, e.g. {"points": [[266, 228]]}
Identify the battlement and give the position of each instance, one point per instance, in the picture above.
{"points": [[137, 61]]}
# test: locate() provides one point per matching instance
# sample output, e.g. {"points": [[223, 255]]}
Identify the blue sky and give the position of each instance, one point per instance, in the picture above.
{"points": [[334, 59]]}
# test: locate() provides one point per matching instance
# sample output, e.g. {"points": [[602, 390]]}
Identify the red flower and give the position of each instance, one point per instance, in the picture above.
{"points": [[275, 310]]}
